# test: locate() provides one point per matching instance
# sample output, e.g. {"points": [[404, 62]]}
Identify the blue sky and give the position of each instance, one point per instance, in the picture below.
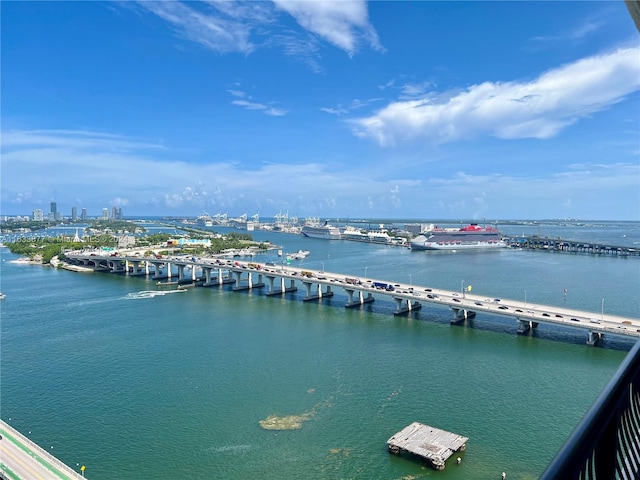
{"points": [[425, 110]]}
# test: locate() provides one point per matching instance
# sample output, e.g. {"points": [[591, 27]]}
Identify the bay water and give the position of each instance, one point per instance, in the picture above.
{"points": [[171, 384]]}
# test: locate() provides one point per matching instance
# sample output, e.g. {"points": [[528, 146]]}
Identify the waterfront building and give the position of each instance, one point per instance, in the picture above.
{"points": [[38, 215], [83, 214], [184, 242], [74, 213], [415, 228], [116, 213], [105, 214]]}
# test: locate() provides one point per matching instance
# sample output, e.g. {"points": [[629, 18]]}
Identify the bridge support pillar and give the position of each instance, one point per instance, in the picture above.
{"points": [[523, 326], [360, 300], [157, 270], [211, 281], [238, 286], [118, 266], [180, 273], [249, 285], [283, 288], [461, 314], [168, 267], [318, 291], [207, 275], [272, 290], [136, 269], [405, 305], [594, 338]]}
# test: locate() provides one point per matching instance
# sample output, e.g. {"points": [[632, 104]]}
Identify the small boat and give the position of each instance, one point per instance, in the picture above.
{"points": [[299, 255], [2, 296]]}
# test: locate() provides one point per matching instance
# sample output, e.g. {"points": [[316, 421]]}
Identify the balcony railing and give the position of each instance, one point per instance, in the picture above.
{"points": [[606, 443]]}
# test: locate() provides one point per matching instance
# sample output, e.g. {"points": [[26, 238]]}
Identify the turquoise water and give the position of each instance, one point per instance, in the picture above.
{"points": [[174, 385]]}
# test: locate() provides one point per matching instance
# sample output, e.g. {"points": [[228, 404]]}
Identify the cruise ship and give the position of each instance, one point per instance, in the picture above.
{"points": [[470, 237], [354, 234], [325, 231]]}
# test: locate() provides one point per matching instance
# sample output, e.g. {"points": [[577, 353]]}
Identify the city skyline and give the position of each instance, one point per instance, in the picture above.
{"points": [[54, 214], [322, 109]]}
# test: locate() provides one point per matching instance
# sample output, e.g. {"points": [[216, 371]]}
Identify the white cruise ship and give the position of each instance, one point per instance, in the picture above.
{"points": [[354, 234], [324, 231], [471, 236]]}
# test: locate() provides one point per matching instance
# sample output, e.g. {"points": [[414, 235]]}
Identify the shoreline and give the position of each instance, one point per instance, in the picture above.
{"points": [[26, 261]]}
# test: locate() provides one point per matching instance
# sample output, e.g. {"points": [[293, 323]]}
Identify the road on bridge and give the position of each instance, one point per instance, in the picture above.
{"points": [[21, 459]]}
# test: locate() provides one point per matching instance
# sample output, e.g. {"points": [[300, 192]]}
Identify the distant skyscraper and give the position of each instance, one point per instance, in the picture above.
{"points": [[105, 214], [74, 213], [38, 215], [54, 209], [83, 215]]}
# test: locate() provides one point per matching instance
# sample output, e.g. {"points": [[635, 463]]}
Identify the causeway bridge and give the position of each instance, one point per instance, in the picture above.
{"points": [[535, 242], [22, 459], [187, 271]]}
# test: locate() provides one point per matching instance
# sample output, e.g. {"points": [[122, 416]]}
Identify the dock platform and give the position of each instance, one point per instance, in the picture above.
{"points": [[427, 442]]}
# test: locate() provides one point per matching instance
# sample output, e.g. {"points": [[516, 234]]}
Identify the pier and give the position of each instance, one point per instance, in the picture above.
{"points": [[318, 285], [429, 443]]}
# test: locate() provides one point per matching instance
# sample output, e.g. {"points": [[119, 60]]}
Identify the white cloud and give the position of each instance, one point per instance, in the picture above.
{"points": [[342, 23], [356, 104], [71, 139], [574, 34], [269, 110], [84, 166], [241, 27], [412, 90], [537, 109], [335, 111], [218, 29]]}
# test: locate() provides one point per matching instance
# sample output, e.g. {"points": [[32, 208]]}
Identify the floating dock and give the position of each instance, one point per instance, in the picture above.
{"points": [[427, 442]]}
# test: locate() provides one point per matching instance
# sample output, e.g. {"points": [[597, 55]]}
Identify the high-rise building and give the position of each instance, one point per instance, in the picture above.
{"points": [[83, 215], [53, 212], [116, 213], [74, 213], [105, 214], [38, 215]]}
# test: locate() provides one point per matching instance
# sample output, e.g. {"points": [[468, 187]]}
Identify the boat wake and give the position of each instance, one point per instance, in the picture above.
{"points": [[230, 449], [150, 294]]}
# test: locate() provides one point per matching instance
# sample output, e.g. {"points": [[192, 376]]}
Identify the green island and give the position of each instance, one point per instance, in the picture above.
{"points": [[126, 235]]}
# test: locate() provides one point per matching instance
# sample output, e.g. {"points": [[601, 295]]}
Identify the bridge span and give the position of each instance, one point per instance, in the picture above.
{"points": [[22, 459], [318, 284]]}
